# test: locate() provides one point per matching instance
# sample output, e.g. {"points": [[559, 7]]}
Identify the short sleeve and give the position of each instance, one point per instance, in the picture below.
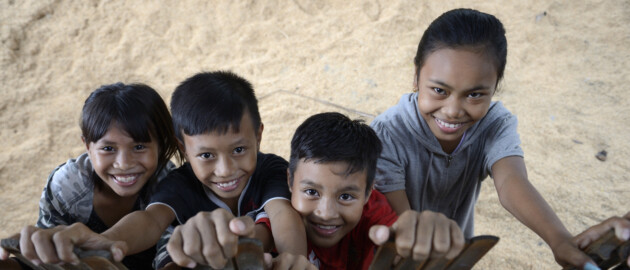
{"points": [[181, 192], [390, 170], [272, 173], [67, 197], [503, 142]]}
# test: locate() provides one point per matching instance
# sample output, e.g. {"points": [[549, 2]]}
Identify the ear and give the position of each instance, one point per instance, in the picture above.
{"points": [[182, 147], [289, 181], [415, 79], [259, 135], [87, 145], [367, 197]]}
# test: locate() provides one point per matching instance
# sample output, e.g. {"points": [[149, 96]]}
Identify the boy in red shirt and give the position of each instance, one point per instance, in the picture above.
{"points": [[330, 175]]}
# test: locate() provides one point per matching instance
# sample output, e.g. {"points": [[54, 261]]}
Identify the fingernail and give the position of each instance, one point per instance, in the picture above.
{"points": [[36, 262], [590, 266], [191, 265], [240, 226], [625, 234], [381, 233]]}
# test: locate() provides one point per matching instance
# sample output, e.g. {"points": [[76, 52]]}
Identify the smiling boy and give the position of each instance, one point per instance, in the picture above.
{"points": [[331, 173]]}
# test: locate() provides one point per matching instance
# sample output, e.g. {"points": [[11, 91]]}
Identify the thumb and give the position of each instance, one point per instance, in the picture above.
{"points": [[242, 226], [379, 234], [118, 250], [268, 261]]}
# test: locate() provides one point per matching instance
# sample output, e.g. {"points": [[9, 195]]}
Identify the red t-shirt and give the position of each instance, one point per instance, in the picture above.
{"points": [[355, 250]]}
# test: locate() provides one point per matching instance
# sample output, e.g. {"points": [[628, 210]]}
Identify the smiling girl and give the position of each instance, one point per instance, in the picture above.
{"points": [[442, 140], [128, 134]]}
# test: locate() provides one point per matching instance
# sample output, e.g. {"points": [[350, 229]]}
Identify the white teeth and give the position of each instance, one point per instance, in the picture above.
{"points": [[125, 179], [448, 125], [327, 227], [227, 184]]}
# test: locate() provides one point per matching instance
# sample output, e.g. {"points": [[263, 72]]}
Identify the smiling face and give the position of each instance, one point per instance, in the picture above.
{"points": [[123, 164], [330, 203], [224, 162], [455, 88]]}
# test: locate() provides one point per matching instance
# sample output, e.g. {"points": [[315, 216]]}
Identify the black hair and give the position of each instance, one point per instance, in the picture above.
{"points": [[332, 137], [212, 101], [468, 29], [139, 110]]}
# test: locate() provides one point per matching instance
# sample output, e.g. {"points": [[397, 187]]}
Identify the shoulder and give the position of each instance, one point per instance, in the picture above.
{"points": [[181, 178], [377, 210], [72, 180], [395, 113], [270, 160]]}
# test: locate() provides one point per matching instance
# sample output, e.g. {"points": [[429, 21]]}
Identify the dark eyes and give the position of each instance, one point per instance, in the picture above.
{"points": [[206, 155], [239, 150], [346, 197], [310, 192], [107, 148], [439, 91], [139, 147]]}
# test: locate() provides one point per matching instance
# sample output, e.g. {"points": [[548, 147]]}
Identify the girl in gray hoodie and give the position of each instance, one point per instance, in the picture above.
{"points": [[442, 140]]}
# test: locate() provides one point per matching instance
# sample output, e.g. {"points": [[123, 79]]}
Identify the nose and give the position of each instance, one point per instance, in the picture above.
{"points": [[326, 209], [224, 167], [124, 160], [453, 108]]}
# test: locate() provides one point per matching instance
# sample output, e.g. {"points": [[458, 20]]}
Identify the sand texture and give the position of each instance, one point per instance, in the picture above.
{"points": [[567, 80]]}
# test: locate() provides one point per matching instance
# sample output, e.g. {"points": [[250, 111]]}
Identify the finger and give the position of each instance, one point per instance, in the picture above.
{"points": [[243, 226], [404, 233], [622, 229], [3, 254], [44, 246], [26, 244], [193, 240], [176, 251], [268, 259], [79, 235], [457, 241], [226, 238], [211, 249], [379, 234], [621, 226], [424, 234], [441, 237]]}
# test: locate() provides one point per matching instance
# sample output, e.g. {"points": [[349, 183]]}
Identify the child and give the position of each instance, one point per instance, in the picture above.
{"points": [[441, 141], [128, 134], [331, 174], [218, 126]]}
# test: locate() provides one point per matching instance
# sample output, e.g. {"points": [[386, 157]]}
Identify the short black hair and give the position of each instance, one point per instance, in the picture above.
{"points": [[138, 109], [331, 137], [212, 101], [465, 28]]}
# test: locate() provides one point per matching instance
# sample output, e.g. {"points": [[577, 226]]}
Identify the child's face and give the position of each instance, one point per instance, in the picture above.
{"points": [[330, 203], [122, 163], [224, 162], [455, 88]]}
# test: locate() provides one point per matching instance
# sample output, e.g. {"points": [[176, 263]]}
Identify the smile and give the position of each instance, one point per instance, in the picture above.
{"points": [[325, 230], [228, 186], [127, 179], [448, 127]]}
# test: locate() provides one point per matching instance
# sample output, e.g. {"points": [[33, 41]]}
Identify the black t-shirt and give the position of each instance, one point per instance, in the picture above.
{"points": [[187, 196]]}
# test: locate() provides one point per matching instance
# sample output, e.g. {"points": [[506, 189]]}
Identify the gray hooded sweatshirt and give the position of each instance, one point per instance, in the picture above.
{"points": [[413, 160]]}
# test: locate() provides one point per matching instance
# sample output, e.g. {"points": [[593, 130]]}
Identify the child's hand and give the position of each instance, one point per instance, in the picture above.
{"points": [[422, 235], [57, 244], [208, 238], [4, 254], [288, 261], [620, 224]]}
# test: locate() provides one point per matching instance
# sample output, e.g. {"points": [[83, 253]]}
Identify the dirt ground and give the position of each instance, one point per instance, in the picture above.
{"points": [[566, 80]]}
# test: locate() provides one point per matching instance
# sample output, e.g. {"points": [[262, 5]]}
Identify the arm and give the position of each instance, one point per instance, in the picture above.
{"points": [[398, 200], [522, 200], [141, 229], [287, 227]]}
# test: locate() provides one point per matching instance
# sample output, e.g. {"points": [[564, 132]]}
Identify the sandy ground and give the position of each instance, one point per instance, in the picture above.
{"points": [[566, 80]]}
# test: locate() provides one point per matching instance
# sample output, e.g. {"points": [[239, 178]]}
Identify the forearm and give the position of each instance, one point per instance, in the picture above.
{"points": [[524, 202], [287, 228], [398, 201], [140, 230]]}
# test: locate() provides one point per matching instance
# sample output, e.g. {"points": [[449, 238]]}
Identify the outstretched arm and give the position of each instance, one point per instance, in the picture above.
{"points": [[522, 200], [287, 227], [141, 229]]}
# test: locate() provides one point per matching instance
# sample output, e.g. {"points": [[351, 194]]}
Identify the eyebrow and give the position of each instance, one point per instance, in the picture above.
{"points": [[238, 142], [475, 88], [311, 183]]}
